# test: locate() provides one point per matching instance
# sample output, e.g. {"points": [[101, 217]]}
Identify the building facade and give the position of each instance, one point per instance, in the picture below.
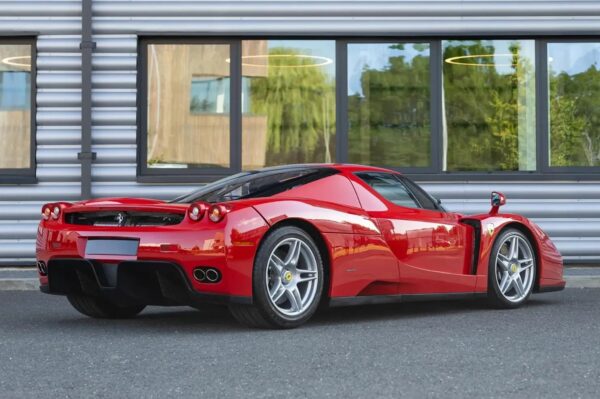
{"points": [[149, 99]]}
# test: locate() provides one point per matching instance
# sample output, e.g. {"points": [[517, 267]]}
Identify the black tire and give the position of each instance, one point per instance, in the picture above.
{"points": [[262, 313], [101, 309], [495, 297]]}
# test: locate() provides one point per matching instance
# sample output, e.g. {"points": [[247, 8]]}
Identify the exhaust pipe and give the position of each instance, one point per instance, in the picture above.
{"points": [[42, 269], [207, 275], [199, 274], [212, 275]]}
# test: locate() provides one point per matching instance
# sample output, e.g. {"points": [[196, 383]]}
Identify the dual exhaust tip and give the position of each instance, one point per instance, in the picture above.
{"points": [[207, 275]]}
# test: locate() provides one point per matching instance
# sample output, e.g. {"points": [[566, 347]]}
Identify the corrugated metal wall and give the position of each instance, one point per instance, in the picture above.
{"points": [[58, 24], [568, 211]]}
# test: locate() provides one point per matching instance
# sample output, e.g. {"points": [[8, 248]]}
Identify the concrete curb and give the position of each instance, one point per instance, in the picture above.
{"points": [[32, 284]]}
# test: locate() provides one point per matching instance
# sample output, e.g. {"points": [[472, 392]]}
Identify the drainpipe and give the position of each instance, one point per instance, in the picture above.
{"points": [[87, 46]]}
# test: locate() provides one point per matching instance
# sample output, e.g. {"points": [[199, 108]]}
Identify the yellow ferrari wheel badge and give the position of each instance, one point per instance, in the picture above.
{"points": [[287, 276], [514, 268]]}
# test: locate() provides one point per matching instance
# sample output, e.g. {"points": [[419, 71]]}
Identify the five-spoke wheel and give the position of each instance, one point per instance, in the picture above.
{"points": [[512, 269], [288, 280]]}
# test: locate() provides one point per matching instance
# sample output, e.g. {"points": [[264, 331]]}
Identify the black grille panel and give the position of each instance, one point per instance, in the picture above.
{"points": [[123, 219]]}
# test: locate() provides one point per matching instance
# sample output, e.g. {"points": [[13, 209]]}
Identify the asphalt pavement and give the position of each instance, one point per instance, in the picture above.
{"points": [[550, 348]]}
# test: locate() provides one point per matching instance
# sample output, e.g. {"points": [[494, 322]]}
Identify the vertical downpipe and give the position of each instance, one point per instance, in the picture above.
{"points": [[86, 156]]}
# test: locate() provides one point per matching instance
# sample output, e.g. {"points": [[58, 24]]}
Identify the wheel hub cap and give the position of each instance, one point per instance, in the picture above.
{"points": [[287, 276]]}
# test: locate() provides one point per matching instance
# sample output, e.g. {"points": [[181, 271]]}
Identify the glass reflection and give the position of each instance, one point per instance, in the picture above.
{"points": [[574, 82], [489, 105], [289, 102], [15, 106], [188, 105], [388, 104]]}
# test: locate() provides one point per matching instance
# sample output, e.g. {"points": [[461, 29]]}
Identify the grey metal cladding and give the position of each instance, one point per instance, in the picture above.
{"points": [[569, 211]]}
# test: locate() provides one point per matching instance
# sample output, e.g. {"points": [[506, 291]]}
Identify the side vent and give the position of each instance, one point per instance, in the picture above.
{"points": [[476, 224]]}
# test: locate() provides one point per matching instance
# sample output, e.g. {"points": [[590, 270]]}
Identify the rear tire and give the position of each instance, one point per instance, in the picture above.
{"points": [[512, 270], [287, 281], [101, 309]]}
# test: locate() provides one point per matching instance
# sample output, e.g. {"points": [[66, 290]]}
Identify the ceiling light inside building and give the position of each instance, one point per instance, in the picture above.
{"points": [[284, 60], [488, 60], [22, 61]]}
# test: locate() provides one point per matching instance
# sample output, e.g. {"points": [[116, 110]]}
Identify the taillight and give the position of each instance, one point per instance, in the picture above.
{"points": [[46, 211], [55, 212], [216, 213], [196, 211]]}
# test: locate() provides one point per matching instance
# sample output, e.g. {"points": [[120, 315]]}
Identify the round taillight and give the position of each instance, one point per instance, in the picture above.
{"points": [[197, 211], [46, 212], [216, 213], [55, 212]]}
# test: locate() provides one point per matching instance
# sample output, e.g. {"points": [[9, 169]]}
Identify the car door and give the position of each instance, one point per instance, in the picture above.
{"points": [[433, 249]]}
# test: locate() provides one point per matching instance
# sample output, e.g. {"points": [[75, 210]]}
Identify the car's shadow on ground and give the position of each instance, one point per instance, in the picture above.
{"points": [[218, 319]]}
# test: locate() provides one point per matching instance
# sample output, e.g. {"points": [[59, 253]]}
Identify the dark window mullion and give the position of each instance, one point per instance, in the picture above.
{"points": [[542, 108], [235, 117], [436, 105], [341, 94]]}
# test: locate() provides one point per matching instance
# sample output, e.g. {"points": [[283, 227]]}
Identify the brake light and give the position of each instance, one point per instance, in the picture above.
{"points": [[196, 211], [46, 211], [55, 212], [216, 213]]}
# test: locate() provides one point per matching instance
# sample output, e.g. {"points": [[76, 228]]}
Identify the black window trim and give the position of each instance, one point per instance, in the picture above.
{"points": [[543, 171], [25, 175]]}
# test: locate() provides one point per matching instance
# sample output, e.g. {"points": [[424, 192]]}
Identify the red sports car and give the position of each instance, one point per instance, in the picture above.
{"points": [[276, 243]]}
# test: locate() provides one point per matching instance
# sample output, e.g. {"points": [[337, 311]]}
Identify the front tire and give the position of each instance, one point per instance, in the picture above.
{"points": [[101, 309], [287, 281], [512, 270]]}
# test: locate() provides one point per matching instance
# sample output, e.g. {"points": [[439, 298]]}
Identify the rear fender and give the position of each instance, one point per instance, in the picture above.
{"points": [[360, 262]]}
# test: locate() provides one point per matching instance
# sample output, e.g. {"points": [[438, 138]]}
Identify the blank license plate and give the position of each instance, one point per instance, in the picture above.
{"points": [[112, 247]]}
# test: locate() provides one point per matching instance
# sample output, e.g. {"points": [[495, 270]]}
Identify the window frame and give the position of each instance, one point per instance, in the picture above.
{"points": [[25, 175], [184, 175], [544, 116], [543, 171], [342, 98]]}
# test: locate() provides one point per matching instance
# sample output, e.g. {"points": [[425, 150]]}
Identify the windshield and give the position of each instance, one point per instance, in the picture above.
{"points": [[262, 183]]}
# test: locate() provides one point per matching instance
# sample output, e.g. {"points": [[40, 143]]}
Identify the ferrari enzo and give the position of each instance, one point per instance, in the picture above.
{"points": [[276, 244]]}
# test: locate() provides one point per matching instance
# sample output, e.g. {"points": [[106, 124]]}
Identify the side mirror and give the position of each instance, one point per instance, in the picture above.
{"points": [[497, 200]]}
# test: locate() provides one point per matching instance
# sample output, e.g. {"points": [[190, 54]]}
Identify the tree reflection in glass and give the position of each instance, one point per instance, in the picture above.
{"points": [[389, 104], [489, 105], [291, 102], [574, 80]]}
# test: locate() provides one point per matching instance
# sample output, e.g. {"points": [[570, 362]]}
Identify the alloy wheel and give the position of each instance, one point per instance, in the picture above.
{"points": [[515, 268], [292, 277]]}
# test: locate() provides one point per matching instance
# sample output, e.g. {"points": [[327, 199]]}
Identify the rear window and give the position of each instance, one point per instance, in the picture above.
{"points": [[263, 183]]}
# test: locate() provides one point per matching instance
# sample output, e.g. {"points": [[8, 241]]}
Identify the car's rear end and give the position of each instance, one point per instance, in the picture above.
{"points": [[148, 252]]}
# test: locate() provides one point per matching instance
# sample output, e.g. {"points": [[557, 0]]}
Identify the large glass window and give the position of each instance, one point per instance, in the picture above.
{"points": [[489, 105], [188, 123], [290, 102], [15, 106], [389, 104], [574, 80]]}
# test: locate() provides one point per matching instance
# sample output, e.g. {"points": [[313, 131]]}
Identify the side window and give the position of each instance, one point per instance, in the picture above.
{"points": [[389, 187], [426, 200]]}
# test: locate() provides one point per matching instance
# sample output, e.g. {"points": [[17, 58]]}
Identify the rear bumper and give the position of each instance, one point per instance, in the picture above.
{"points": [[130, 282]]}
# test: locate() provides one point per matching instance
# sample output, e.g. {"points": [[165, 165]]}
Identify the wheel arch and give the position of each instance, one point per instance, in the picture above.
{"points": [[319, 240], [527, 232]]}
